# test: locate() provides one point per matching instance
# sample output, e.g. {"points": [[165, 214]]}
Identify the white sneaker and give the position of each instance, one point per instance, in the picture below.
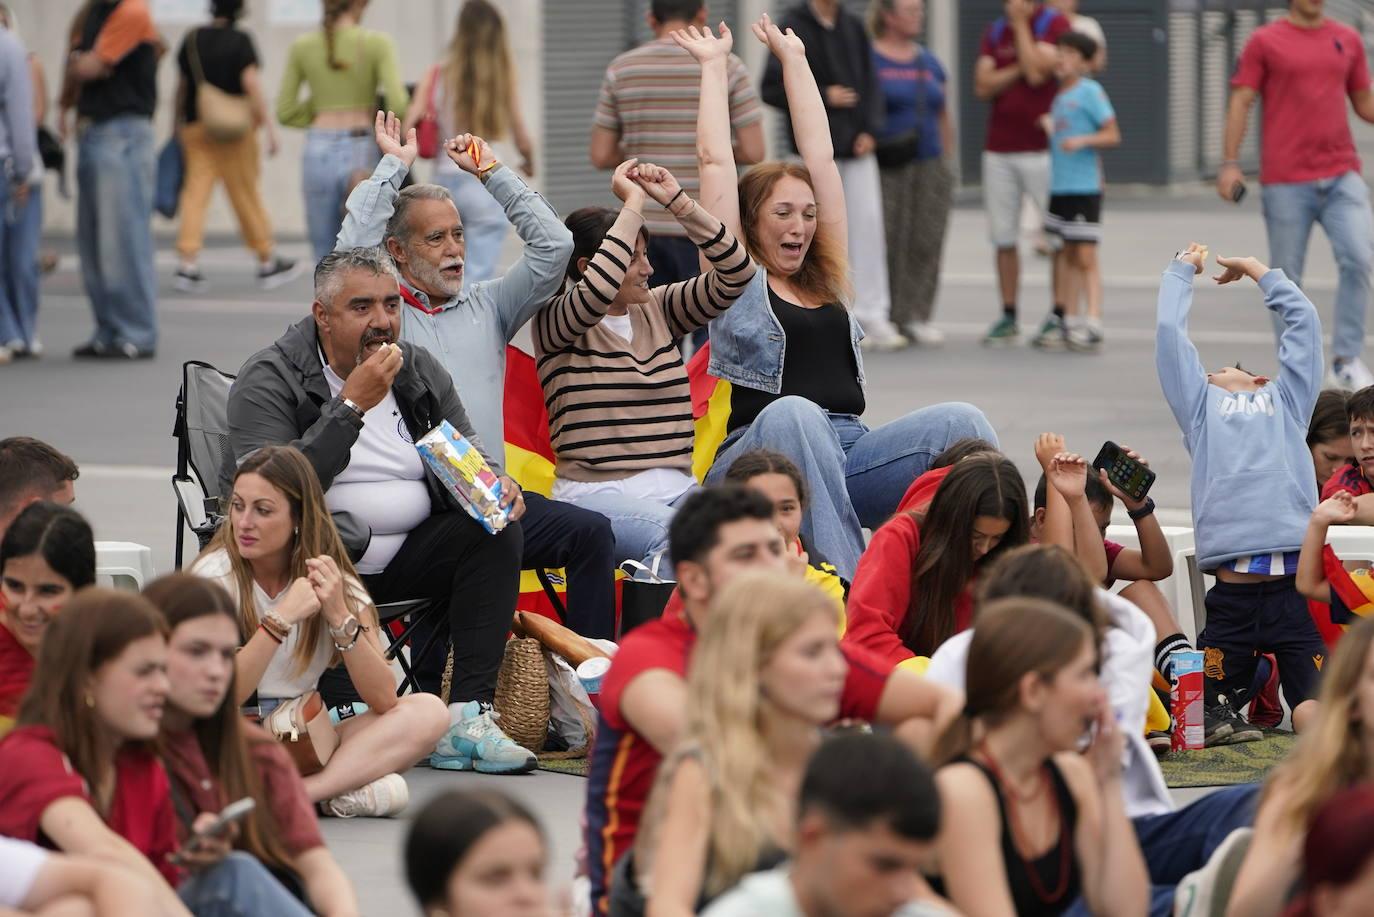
{"points": [[884, 340], [1081, 339], [1350, 375], [382, 797], [924, 334]]}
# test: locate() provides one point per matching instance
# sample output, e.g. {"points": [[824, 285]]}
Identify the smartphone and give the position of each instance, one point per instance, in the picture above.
{"points": [[1132, 478], [1238, 192]]}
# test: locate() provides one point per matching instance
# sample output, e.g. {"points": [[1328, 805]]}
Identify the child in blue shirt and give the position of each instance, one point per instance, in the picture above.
{"points": [[1081, 122], [1251, 491]]}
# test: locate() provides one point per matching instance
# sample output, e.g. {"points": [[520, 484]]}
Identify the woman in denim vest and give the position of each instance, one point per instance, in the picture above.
{"points": [[804, 400]]}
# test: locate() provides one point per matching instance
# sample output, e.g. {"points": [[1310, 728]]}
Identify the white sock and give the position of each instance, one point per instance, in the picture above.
{"points": [[455, 713]]}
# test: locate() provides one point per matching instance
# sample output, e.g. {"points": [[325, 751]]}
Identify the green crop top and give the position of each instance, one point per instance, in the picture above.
{"points": [[371, 60]]}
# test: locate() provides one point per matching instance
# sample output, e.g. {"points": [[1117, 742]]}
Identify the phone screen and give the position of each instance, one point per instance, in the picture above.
{"points": [[1130, 477]]}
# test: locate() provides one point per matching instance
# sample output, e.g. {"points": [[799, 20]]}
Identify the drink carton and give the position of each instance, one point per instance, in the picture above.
{"points": [[1186, 700]]}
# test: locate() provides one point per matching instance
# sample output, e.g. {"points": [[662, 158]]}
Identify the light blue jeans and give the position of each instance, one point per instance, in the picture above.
{"points": [[640, 527], [856, 475], [330, 159], [21, 227], [1341, 205], [115, 165], [484, 223], [238, 886]]}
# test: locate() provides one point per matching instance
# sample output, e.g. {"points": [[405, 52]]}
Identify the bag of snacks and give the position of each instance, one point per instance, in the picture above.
{"points": [[465, 474]]}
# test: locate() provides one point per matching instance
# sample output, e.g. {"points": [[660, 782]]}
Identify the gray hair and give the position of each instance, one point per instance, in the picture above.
{"points": [[329, 272], [398, 227]]}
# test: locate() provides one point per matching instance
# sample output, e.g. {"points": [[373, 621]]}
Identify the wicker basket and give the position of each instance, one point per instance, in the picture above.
{"points": [[522, 694]]}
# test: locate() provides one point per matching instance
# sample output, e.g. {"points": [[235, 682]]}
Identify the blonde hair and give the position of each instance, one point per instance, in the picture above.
{"points": [[874, 19], [290, 472], [479, 77], [728, 715], [824, 272], [1330, 756]]}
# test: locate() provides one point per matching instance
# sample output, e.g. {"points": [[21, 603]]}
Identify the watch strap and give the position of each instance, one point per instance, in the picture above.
{"points": [[353, 406], [1144, 511]]}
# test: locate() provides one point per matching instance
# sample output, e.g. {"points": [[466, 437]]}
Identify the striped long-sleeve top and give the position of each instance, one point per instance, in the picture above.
{"points": [[619, 407]]}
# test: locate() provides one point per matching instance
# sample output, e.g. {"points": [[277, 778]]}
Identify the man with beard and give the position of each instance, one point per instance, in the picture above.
{"points": [[338, 387], [468, 328]]}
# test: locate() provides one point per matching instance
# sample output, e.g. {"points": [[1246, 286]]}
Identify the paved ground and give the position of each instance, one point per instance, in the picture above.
{"points": [[116, 420]]}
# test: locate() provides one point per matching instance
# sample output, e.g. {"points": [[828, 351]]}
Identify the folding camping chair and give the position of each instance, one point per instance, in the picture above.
{"points": [[202, 435]]}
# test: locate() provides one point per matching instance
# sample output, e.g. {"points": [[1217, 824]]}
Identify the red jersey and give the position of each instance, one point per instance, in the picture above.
{"points": [[16, 671], [1303, 77], [624, 764], [1013, 121], [1348, 478], [34, 773]]}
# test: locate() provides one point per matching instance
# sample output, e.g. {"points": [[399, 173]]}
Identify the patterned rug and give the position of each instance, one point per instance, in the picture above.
{"points": [[576, 766], [1227, 765]]}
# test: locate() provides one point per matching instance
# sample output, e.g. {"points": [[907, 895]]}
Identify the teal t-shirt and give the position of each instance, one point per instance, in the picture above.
{"points": [[1081, 109]]}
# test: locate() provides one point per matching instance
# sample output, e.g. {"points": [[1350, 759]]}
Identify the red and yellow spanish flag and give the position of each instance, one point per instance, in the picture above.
{"points": [[530, 458], [1352, 598]]}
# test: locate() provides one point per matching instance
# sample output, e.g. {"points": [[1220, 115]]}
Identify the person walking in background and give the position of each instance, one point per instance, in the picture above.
{"points": [[1302, 68], [1085, 25], [474, 90], [648, 110], [344, 66], [1015, 74], [842, 62], [21, 209], [913, 152], [222, 58], [112, 82]]}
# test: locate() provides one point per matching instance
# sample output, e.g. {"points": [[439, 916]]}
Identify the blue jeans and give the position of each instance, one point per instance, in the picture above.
{"points": [[114, 229], [484, 223], [856, 475], [328, 164], [1341, 205], [1179, 842], [640, 527], [20, 230], [239, 886]]}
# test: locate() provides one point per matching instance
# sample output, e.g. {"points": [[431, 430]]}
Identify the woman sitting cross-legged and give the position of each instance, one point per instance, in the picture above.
{"points": [[790, 346], [620, 407], [215, 757], [80, 774], [301, 609], [766, 674], [1038, 824]]}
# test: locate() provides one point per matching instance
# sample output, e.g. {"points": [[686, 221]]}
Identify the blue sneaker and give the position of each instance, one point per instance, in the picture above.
{"points": [[476, 743]]}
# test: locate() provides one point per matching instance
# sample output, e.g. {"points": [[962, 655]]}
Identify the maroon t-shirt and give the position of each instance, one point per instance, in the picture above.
{"points": [[1013, 121]]}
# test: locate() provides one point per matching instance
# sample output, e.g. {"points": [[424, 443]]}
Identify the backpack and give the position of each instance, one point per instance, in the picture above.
{"points": [[1039, 26]]}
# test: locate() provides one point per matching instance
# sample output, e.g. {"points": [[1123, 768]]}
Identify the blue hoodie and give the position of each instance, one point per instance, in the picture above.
{"points": [[1252, 471]]}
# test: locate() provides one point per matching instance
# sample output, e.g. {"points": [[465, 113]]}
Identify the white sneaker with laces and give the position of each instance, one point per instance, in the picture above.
{"points": [[382, 797], [1350, 375]]}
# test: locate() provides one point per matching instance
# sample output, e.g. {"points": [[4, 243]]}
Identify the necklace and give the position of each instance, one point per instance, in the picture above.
{"points": [[1019, 837]]}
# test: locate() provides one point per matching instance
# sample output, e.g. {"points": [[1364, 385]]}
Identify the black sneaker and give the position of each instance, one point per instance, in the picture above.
{"points": [[1222, 725], [1160, 742], [279, 273], [190, 280], [92, 350]]}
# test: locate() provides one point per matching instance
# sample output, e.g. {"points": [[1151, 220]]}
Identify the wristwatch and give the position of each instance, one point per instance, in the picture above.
{"points": [[1145, 510], [346, 634], [352, 405]]}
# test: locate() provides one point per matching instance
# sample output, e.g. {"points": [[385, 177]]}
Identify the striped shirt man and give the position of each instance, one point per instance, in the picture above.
{"points": [[649, 98]]}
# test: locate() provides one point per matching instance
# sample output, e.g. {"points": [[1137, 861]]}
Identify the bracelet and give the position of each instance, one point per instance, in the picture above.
{"points": [[483, 170], [1146, 510], [268, 631], [672, 200], [1230, 162], [276, 626]]}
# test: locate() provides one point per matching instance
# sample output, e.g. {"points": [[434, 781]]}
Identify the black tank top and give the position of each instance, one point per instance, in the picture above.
{"points": [[1023, 895]]}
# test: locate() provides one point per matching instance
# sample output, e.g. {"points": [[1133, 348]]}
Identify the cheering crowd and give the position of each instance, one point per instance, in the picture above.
{"points": [[960, 711]]}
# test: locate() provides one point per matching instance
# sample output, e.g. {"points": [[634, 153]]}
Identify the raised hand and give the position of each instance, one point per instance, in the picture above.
{"points": [[1234, 269], [1108, 745], [1068, 474], [782, 44], [703, 45], [657, 182], [625, 187], [389, 141], [1047, 446], [1195, 254], [369, 382], [1338, 509], [469, 153], [327, 583], [300, 602]]}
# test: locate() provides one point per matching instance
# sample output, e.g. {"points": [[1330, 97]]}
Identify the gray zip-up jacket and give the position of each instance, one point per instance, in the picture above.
{"points": [[469, 333]]}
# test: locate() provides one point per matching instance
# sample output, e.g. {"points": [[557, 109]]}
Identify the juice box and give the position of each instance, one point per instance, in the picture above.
{"points": [[1186, 700]]}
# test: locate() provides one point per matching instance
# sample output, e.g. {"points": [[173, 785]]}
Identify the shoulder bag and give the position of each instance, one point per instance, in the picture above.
{"points": [[226, 117], [303, 726]]}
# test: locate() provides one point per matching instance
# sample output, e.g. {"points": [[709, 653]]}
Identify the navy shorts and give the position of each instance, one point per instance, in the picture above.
{"points": [[1247, 619]]}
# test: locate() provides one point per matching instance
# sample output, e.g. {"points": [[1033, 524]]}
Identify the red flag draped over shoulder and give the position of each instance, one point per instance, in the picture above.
{"points": [[1352, 597], [529, 454]]}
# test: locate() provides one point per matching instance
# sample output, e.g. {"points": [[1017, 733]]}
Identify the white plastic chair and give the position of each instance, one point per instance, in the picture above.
{"points": [[123, 565], [1186, 587]]}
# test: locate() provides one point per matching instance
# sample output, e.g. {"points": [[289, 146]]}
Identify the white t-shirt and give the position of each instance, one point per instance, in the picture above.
{"points": [[20, 863], [384, 483], [280, 679], [771, 893], [661, 485]]}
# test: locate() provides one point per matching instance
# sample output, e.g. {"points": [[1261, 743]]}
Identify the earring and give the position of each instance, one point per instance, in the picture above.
{"points": [[90, 701]]}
